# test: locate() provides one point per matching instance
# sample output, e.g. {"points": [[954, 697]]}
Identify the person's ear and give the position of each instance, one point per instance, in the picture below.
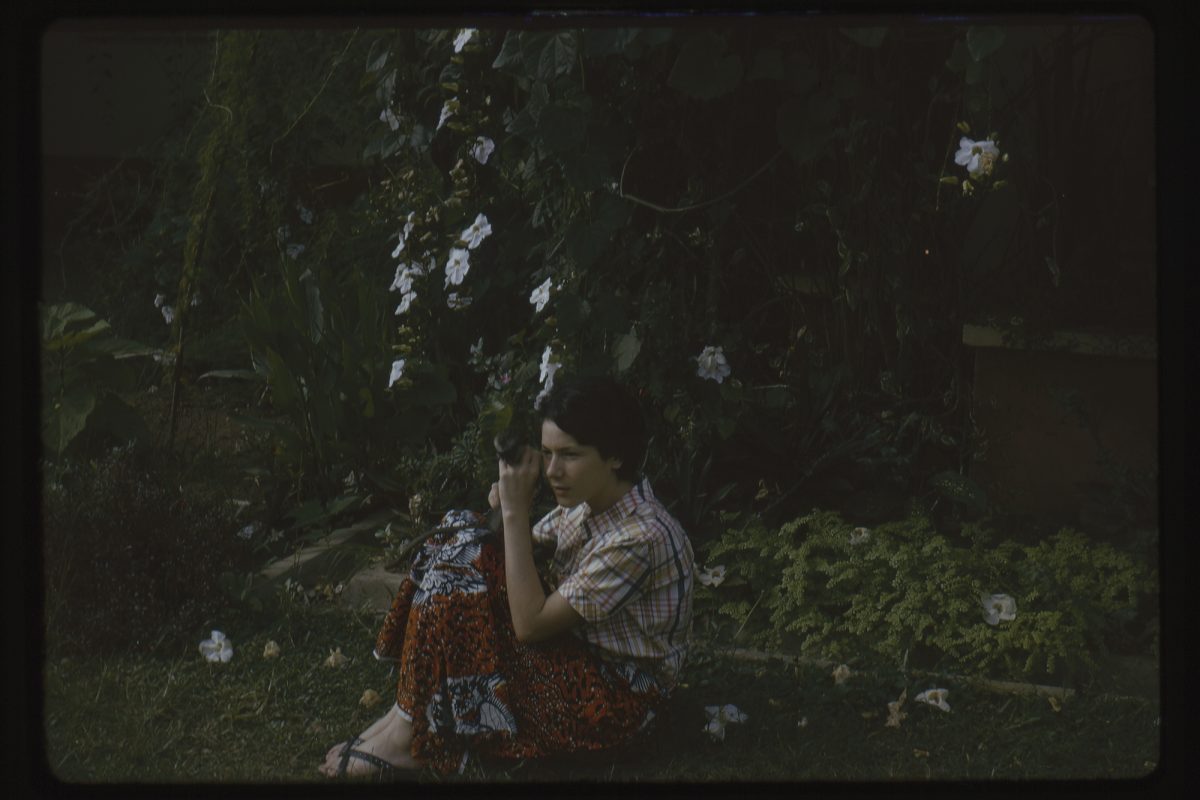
{"points": [[614, 463]]}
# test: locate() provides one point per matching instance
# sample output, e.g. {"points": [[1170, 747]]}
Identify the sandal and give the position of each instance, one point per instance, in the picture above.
{"points": [[387, 772]]}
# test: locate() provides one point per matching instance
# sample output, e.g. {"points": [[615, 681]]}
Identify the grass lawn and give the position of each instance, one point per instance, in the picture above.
{"points": [[174, 718]]}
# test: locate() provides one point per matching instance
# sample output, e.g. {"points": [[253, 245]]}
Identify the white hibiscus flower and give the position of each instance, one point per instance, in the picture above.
{"points": [[397, 371], [457, 266], [540, 296], [482, 149], [480, 229], [977, 157], [463, 38], [218, 649], [712, 364], [997, 607]]}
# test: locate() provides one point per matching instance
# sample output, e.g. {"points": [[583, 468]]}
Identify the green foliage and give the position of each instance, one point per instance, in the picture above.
{"points": [[903, 589], [133, 559], [85, 366]]}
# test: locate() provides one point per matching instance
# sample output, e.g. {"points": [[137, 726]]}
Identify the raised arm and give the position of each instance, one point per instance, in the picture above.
{"points": [[536, 616]]}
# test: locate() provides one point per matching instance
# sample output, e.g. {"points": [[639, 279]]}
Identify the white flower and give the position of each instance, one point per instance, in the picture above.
{"points": [[540, 296], [403, 280], [294, 250], [336, 659], [448, 109], [482, 149], [405, 302], [477, 349], [548, 367], [464, 36], [841, 674], [249, 531], [860, 536], [479, 230], [159, 299], [409, 222], [457, 266], [389, 116], [712, 364], [997, 607], [399, 247], [719, 717], [370, 698], [306, 216], [217, 649], [454, 301], [934, 697], [977, 157], [168, 313], [195, 300], [271, 650], [397, 371], [712, 576]]}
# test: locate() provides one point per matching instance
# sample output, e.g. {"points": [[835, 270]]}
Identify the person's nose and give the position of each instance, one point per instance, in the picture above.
{"points": [[553, 466]]}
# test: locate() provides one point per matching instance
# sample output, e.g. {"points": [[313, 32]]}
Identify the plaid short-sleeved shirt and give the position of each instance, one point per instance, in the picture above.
{"points": [[628, 572]]}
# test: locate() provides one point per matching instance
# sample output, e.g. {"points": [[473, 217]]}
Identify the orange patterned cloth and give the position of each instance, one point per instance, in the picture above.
{"points": [[469, 687]]}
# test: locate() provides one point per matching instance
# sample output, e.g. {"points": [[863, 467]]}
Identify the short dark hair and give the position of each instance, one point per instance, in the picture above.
{"points": [[598, 411]]}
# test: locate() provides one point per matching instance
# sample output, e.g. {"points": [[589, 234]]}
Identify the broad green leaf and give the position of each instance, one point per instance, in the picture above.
{"points": [[627, 350], [867, 37], [56, 318], [983, 41], [701, 71], [375, 59], [65, 418], [68, 340], [246, 374], [562, 129], [510, 52], [558, 55]]}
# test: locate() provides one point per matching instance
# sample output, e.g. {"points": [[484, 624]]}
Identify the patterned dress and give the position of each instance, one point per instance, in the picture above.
{"points": [[469, 687]]}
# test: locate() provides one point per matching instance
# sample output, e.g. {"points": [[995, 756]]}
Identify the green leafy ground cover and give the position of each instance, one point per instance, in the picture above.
{"points": [[175, 718]]}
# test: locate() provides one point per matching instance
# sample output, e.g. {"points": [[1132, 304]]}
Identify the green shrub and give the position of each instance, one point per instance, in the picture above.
{"points": [[132, 558], [908, 594]]}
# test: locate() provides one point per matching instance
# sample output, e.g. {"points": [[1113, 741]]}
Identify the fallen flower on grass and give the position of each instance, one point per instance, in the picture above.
{"points": [[336, 659], [271, 650], [895, 715], [803, 723], [934, 697], [1055, 703], [218, 649], [370, 698], [719, 717], [860, 536], [841, 674], [920, 753]]}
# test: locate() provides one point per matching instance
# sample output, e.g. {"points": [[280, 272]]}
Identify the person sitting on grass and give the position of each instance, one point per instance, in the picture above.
{"points": [[493, 660]]}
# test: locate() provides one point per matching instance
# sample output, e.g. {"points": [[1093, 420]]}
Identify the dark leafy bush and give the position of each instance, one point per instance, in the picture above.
{"points": [[132, 558]]}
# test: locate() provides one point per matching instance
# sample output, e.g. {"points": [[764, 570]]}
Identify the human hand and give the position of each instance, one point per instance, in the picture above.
{"points": [[517, 483], [494, 496]]}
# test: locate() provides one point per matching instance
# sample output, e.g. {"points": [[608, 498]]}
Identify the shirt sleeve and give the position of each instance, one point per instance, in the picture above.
{"points": [[608, 578], [545, 531]]}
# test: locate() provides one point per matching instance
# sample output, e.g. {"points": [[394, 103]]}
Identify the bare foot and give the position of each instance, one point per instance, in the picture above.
{"points": [[388, 738]]}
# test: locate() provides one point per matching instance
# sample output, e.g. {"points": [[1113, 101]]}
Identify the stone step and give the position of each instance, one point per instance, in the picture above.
{"points": [[345, 556]]}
